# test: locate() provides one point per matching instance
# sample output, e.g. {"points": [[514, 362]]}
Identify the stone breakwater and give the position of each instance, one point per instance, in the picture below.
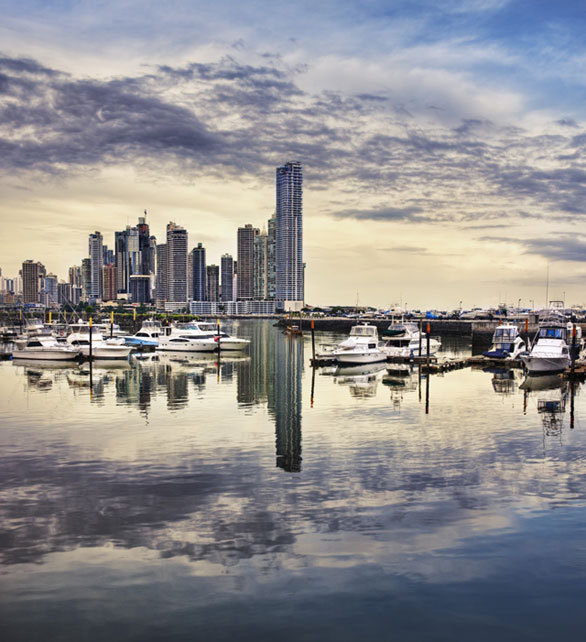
{"points": [[477, 330]]}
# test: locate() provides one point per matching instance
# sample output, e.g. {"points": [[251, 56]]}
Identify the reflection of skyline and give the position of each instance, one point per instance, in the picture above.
{"points": [[287, 407]]}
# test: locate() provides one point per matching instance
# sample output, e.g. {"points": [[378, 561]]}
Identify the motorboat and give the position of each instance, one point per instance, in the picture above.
{"points": [[148, 335], [551, 351], [44, 347], [507, 343], [360, 347], [79, 337], [186, 337], [107, 329], [404, 340], [226, 341]]}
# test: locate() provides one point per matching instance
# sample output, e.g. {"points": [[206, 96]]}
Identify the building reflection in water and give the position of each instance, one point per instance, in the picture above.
{"points": [[288, 368]]}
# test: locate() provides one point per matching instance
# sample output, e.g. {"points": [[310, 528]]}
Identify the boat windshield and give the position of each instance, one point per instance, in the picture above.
{"points": [[505, 334], [363, 331], [552, 333]]}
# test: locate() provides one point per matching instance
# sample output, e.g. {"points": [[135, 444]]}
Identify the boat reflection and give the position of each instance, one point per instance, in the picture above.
{"points": [[551, 393], [400, 378], [362, 380], [504, 380]]}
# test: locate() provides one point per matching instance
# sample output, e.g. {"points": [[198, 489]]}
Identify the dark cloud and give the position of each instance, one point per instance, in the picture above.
{"points": [[227, 118], [561, 248]]}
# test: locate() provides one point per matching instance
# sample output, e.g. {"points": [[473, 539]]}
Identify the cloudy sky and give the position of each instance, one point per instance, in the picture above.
{"points": [[442, 140]]}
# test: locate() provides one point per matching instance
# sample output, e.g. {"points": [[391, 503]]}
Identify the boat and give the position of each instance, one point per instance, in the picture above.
{"points": [[226, 341], [402, 339], [186, 337], [360, 347], [79, 337], [44, 348], [507, 343], [148, 335], [294, 331], [550, 352]]}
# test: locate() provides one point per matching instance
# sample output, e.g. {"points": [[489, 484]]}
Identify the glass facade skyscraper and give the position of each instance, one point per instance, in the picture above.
{"points": [[227, 277], [290, 287], [199, 275]]}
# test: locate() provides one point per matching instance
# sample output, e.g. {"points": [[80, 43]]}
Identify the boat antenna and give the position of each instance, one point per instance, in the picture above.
{"points": [[547, 289]]}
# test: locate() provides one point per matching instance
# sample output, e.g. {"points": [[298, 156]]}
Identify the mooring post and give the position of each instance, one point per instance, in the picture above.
{"points": [[428, 340], [420, 333], [312, 341]]}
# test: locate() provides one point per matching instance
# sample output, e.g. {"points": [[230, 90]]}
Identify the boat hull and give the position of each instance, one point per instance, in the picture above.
{"points": [[46, 355], [106, 352], [545, 365], [352, 357]]}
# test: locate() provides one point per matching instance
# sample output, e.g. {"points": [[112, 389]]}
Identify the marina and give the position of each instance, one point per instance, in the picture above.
{"points": [[354, 494]]}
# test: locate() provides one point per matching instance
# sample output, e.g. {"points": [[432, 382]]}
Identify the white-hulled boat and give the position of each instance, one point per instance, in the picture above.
{"points": [[403, 340], [551, 352], [101, 348], [148, 335], [227, 341], [45, 348], [360, 347], [507, 343], [185, 337]]}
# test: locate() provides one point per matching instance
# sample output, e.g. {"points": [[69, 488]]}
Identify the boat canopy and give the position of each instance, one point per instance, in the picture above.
{"points": [[364, 331]]}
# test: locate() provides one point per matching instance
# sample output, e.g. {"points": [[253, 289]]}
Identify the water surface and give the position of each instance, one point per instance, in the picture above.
{"points": [[250, 498]]}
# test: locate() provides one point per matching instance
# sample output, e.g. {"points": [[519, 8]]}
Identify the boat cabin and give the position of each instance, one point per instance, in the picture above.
{"points": [[364, 331]]}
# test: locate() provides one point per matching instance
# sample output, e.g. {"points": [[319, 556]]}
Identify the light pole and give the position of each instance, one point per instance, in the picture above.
{"points": [[519, 307]]}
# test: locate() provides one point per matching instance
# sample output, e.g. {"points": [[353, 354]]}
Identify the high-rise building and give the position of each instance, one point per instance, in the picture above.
{"points": [[49, 294], [271, 258], [107, 255], [64, 293], [246, 236], [140, 288], [86, 278], [176, 264], [161, 280], [75, 276], [227, 277], [109, 283], [213, 283], [260, 271], [144, 246], [198, 271], [31, 274], [289, 236], [96, 264], [128, 262]]}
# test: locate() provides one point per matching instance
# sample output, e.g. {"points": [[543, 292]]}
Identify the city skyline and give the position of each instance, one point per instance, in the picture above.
{"points": [[442, 142]]}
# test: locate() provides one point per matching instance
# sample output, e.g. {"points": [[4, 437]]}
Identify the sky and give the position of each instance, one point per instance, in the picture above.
{"points": [[442, 141]]}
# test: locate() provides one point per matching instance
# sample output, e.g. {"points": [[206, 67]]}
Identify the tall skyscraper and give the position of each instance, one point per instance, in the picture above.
{"points": [[213, 282], [199, 275], [109, 282], [144, 246], [289, 235], [176, 263], [246, 236], [260, 266], [75, 276], [86, 278], [161, 280], [227, 277], [96, 257], [128, 257], [31, 274], [271, 258]]}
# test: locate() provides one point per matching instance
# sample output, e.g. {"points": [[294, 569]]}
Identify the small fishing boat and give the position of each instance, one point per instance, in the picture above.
{"points": [[360, 347], [551, 351], [507, 343], [44, 348]]}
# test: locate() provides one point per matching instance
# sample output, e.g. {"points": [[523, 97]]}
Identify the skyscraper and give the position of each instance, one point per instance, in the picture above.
{"points": [[271, 257], [227, 277], [31, 274], [260, 266], [199, 276], [289, 235], [96, 257], [176, 264], [213, 282], [161, 280], [109, 282], [144, 246], [246, 236]]}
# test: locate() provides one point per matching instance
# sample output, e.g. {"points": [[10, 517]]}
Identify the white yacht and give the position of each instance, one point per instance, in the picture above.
{"points": [[185, 337], [360, 347], [227, 341], [403, 340], [199, 337], [551, 350], [44, 347], [148, 335], [101, 348], [507, 343]]}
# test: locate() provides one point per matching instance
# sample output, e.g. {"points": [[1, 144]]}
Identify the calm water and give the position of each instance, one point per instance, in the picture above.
{"points": [[186, 499]]}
